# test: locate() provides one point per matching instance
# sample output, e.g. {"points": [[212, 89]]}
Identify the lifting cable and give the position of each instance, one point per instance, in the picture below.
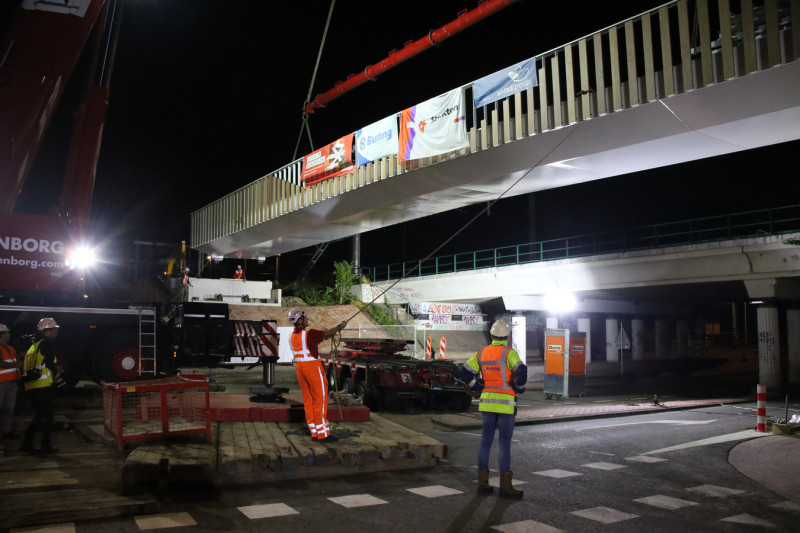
{"points": [[336, 339], [304, 124]]}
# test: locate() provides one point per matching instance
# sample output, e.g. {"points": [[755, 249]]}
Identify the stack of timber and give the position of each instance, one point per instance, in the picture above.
{"points": [[255, 451]]}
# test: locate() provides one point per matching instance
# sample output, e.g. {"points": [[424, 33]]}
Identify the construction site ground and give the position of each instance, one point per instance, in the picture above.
{"points": [[90, 478]]}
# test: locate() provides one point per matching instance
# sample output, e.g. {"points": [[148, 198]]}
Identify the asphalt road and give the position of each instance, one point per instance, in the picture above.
{"points": [[573, 474]]}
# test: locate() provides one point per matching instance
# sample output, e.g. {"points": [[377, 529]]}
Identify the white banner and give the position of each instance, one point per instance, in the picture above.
{"points": [[434, 127], [450, 326], [376, 140], [421, 308]]}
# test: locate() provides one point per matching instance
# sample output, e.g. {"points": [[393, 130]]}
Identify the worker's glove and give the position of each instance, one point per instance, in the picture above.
{"points": [[477, 387], [341, 325]]}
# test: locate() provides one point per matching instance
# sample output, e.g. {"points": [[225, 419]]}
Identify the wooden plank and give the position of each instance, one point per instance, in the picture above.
{"points": [[419, 445], [311, 452], [226, 454], [289, 457], [272, 456], [52, 507], [260, 456], [243, 455]]}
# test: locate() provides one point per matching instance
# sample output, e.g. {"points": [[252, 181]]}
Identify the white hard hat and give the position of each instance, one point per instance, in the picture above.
{"points": [[46, 323], [3, 328], [186, 270], [296, 314], [238, 266], [499, 329]]}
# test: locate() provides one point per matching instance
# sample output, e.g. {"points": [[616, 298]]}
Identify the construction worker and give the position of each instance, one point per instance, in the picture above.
{"points": [[185, 284], [41, 391], [311, 373], [239, 273], [9, 374], [497, 372]]}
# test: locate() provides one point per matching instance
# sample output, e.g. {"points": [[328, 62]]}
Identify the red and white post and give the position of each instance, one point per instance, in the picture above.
{"points": [[441, 348], [428, 348], [762, 408]]}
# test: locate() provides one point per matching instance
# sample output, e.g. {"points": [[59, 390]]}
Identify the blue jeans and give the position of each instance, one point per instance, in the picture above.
{"points": [[505, 423]]}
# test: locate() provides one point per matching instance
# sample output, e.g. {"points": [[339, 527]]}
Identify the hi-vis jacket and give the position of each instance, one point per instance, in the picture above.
{"points": [[9, 356], [497, 363], [35, 359]]}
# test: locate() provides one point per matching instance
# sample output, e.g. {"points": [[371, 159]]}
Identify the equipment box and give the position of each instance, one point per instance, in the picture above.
{"points": [[564, 376]]}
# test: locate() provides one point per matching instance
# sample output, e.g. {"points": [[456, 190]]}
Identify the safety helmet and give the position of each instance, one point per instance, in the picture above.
{"points": [[3, 328], [46, 323], [499, 329], [186, 270], [296, 314], [238, 266]]}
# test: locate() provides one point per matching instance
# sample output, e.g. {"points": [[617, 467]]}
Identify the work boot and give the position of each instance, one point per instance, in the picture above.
{"points": [[329, 439], [483, 482], [507, 489]]}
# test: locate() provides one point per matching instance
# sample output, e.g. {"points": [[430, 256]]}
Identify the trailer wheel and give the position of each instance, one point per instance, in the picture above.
{"points": [[117, 358], [348, 386], [331, 377], [460, 402]]}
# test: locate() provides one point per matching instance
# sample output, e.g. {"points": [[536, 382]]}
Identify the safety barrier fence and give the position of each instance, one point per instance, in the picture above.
{"points": [[679, 47], [156, 409], [774, 221]]}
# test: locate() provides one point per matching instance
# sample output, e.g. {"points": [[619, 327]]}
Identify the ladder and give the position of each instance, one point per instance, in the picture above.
{"points": [[147, 341]]}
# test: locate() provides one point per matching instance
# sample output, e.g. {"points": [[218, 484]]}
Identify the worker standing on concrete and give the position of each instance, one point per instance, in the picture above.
{"points": [[239, 273], [41, 356], [9, 374], [311, 373], [502, 377]]}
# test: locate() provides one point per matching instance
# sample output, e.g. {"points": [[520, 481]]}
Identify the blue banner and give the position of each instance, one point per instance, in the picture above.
{"points": [[506, 82], [376, 140]]}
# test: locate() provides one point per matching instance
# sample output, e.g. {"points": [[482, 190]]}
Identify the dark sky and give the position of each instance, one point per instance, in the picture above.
{"points": [[207, 96]]}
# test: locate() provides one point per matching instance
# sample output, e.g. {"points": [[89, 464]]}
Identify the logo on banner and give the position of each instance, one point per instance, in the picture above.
{"points": [[434, 127], [330, 161], [376, 140], [506, 82]]}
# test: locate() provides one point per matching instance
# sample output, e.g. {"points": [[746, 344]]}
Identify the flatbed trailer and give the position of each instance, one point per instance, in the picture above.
{"points": [[375, 371]]}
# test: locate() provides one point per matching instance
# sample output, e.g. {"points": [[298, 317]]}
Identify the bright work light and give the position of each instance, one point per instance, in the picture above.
{"points": [[81, 257]]}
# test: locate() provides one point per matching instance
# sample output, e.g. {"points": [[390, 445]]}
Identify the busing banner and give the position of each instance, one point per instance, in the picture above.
{"points": [[376, 140], [434, 127], [506, 82], [330, 161]]}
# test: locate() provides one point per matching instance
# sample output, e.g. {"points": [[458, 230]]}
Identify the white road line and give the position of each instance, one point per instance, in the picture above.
{"points": [[674, 422], [741, 435]]}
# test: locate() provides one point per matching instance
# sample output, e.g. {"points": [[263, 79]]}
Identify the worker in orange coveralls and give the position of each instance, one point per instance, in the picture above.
{"points": [[311, 373], [239, 273]]}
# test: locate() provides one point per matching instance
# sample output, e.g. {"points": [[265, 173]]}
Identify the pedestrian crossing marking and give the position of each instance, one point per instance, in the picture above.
{"points": [[604, 466], [787, 505], [357, 500], [645, 459], [715, 491], [435, 491], [526, 526], [665, 502], [747, 519], [557, 473], [604, 515], [495, 481], [163, 521], [269, 510]]}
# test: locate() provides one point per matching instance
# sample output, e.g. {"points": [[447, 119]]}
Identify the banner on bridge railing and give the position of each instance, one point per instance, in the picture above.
{"points": [[329, 161], [377, 140], [504, 83], [436, 126]]}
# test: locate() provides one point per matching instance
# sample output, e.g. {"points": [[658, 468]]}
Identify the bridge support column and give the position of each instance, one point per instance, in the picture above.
{"points": [[612, 330], [585, 326], [551, 322], [769, 347], [519, 339], [793, 329], [637, 339], [682, 332], [661, 339]]}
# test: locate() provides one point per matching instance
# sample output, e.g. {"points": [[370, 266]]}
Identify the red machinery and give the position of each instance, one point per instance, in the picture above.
{"points": [[374, 371], [38, 54]]}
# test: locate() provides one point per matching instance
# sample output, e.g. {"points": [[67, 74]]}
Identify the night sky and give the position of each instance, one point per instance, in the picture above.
{"points": [[207, 96]]}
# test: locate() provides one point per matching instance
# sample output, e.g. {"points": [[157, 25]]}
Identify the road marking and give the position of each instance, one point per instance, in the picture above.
{"points": [[526, 526], [673, 422], [604, 515], [748, 519], [603, 453], [730, 437]]}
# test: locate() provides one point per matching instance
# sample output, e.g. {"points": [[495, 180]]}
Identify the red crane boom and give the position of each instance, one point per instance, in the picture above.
{"points": [[464, 20]]}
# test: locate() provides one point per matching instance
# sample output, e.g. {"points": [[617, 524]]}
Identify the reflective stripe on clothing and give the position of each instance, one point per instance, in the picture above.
{"points": [[9, 356], [496, 373], [35, 359], [311, 378], [494, 402]]}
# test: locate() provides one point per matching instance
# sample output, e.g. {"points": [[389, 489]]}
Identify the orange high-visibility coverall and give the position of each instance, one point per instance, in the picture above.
{"points": [[311, 378]]}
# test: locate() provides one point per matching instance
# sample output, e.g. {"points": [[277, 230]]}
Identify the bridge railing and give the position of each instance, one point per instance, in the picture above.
{"points": [[679, 47], [774, 221]]}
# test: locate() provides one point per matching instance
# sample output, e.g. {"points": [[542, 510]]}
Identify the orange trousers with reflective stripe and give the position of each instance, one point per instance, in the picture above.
{"points": [[311, 378]]}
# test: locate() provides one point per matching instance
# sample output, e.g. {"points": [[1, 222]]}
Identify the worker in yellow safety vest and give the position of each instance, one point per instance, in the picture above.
{"points": [[498, 373], [311, 373], [41, 359], [9, 374]]}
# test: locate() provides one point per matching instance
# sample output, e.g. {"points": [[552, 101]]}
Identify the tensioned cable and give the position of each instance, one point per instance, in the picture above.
{"points": [[304, 123]]}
